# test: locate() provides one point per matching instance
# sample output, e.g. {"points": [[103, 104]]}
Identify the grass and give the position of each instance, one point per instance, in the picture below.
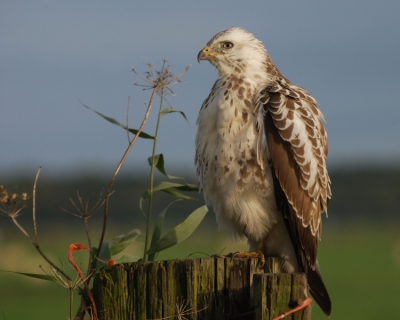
{"points": [[361, 268], [360, 265]]}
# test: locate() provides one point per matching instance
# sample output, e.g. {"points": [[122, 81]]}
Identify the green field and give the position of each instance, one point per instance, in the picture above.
{"points": [[360, 265], [359, 254]]}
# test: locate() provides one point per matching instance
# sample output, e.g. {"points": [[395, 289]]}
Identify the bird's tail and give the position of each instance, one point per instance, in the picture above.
{"points": [[318, 290]]}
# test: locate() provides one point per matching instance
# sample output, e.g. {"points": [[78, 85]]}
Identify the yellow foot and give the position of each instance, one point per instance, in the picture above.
{"points": [[252, 254], [301, 306]]}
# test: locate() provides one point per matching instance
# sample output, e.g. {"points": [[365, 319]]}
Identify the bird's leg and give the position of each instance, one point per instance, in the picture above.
{"points": [[301, 306], [253, 254]]}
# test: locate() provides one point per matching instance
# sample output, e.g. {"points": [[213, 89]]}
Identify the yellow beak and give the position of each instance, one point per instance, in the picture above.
{"points": [[206, 54]]}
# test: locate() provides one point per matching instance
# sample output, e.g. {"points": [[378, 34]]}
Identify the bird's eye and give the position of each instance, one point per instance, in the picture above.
{"points": [[227, 45]]}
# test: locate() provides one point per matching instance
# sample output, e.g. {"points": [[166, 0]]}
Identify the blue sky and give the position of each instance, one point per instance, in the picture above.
{"points": [[57, 53]]}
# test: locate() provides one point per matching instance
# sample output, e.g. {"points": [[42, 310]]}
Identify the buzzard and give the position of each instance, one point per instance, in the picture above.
{"points": [[261, 151]]}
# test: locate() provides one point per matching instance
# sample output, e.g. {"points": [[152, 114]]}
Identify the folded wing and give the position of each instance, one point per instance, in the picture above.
{"points": [[297, 145]]}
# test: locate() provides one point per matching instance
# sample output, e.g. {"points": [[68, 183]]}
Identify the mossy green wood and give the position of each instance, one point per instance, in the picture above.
{"points": [[213, 288], [274, 294]]}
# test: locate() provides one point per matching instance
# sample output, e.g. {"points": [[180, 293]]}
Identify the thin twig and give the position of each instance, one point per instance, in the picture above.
{"points": [[304, 304], [71, 285], [71, 303], [23, 231], [85, 221], [36, 245], [35, 242], [34, 204], [181, 310], [12, 205], [84, 211], [127, 119], [146, 116], [77, 246]]}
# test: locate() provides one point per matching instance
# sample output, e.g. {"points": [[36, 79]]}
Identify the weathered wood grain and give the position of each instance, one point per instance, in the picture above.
{"points": [[213, 288]]}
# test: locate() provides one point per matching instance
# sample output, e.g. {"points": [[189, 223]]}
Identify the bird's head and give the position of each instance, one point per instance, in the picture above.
{"points": [[233, 51]]}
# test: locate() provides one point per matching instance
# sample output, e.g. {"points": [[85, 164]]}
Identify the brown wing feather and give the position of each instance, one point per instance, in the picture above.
{"points": [[300, 202], [287, 182], [296, 117]]}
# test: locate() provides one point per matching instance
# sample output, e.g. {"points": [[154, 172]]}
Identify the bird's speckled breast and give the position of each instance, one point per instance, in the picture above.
{"points": [[236, 180]]}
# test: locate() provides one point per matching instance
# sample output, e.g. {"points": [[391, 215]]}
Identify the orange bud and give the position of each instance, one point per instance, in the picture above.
{"points": [[111, 262]]}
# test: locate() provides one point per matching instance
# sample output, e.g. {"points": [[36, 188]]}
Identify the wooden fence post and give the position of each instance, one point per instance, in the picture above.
{"points": [[212, 288]]}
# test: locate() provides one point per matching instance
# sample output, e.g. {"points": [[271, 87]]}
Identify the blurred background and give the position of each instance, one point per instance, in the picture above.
{"points": [[55, 57]]}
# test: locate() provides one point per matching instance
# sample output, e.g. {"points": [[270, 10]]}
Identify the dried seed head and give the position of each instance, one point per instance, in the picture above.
{"points": [[11, 204]]}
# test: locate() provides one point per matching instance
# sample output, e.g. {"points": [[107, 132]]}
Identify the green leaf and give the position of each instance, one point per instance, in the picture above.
{"points": [[167, 187], [176, 193], [158, 229], [115, 245], [159, 164], [33, 275], [188, 187], [166, 111], [113, 121], [180, 232], [127, 258]]}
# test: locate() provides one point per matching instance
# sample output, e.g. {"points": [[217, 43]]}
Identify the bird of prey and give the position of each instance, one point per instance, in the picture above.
{"points": [[261, 151]]}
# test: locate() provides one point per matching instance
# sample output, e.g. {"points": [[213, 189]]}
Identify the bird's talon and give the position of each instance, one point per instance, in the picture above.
{"points": [[249, 255]]}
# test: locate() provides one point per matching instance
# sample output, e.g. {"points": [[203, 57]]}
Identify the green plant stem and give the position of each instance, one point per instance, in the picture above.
{"points": [[146, 244], [109, 190], [71, 303]]}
